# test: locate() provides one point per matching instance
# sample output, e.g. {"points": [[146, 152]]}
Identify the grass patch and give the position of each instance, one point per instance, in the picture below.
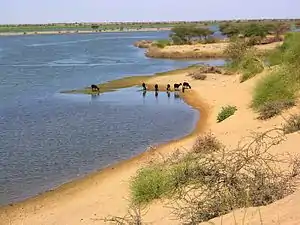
{"points": [[226, 112], [292, 124], [275, 92], [150, 183], [279, 90]]}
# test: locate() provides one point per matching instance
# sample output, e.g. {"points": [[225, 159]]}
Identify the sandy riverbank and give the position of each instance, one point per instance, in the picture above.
{"points": [[105, 193], [198, 51], [79, 31]]}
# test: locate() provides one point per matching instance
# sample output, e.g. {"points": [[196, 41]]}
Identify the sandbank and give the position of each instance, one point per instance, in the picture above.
{"points": [[104, 193], [199, 51]]}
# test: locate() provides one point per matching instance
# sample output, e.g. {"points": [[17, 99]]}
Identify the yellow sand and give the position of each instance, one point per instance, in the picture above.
{"points": [[215, 50], [106, 193]]}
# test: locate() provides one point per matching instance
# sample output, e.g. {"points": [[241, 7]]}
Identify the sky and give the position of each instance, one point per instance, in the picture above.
{"points": [[50, 11]]}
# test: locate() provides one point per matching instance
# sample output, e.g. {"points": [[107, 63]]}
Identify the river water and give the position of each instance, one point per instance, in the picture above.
{"points": [[48, 138]]}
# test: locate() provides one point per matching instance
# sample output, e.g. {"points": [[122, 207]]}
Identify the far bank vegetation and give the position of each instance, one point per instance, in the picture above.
{"points": [[201, 42]]}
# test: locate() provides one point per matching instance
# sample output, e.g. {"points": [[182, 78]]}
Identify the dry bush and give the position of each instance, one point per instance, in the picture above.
{"points": [[292, 124], [198, 76], [133, 217], [207, 143], [274, 108], [225, 180]]}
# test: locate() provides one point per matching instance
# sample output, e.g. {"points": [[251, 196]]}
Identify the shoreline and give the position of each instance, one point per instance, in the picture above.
{"points": [[200, 124], [76, 185], [104, 193], [25, 33]]}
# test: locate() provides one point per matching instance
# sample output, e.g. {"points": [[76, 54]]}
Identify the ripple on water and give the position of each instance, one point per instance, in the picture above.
{"points": [[54, 141]]}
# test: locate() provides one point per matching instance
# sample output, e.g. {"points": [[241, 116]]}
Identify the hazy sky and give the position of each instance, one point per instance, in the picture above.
{"points": [[45, 11]]}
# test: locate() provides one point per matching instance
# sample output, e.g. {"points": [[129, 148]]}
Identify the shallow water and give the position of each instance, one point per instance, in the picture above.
{"points": [[48, 138]]}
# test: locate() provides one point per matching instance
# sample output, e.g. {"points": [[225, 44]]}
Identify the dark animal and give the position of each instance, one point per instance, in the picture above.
{"points": [[176, 86], [186, 85], [95, 87], [144, 86], [168, 87], [156, 87]]}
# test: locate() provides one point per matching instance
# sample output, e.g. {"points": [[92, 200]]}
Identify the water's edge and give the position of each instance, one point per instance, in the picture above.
{"points": [[190, 98]]}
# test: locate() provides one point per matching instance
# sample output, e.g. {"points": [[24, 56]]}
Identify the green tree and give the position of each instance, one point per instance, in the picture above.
{"points": [[255, 30], [230, 29], [185, 34], [95, 26]]}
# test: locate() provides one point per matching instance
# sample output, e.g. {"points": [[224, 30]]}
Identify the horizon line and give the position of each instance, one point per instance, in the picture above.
{"points": [[158, 21]]}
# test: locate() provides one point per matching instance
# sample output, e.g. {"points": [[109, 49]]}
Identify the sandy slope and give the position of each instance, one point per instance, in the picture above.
{"points": [[104, 193]]}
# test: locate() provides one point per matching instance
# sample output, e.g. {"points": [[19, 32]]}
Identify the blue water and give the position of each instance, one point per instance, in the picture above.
{"points": [[48, 138]]}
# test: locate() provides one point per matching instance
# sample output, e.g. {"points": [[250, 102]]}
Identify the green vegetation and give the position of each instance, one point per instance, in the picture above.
{"points": [[255, 29], [211, 180], [188, 34], [151, 183], [226, 112], [281, 87], [244, 58], [90, 26], [161, 43]]}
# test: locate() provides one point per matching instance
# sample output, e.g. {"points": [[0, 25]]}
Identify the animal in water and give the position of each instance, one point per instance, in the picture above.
{"points": [[156, 87], [95, 87], [186, 85], [168, 87], [144, 86], [176, 86]]}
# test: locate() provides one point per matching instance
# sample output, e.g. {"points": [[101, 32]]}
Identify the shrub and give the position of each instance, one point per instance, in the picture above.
{"points": [[199, 76], [209, 40], [250, 65], [292, 124], [225, 180], [226, 112], [217, 181], [207, 143], [162, 43], [236, 49], [271, 109], [150, 183]]}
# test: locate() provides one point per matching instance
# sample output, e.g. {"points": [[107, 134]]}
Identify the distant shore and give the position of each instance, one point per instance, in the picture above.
{"points": [[199, 51], [24, 33]]}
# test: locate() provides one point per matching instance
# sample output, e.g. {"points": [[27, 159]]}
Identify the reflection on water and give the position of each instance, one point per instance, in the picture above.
{"points": [[47, 143], [48, 138]]}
